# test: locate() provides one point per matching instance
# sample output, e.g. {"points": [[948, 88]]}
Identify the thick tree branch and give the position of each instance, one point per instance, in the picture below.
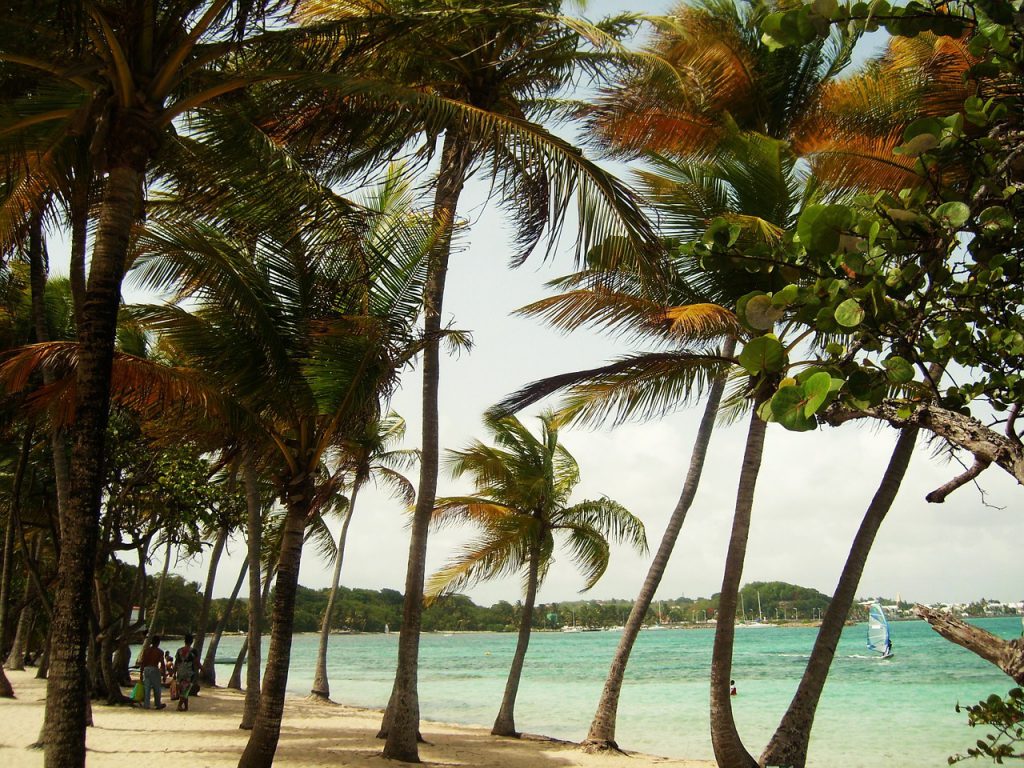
{"points": [[987, 445], [1008, 655]]}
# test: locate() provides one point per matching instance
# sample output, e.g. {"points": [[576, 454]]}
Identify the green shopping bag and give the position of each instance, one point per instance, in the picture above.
{"points": [[138, 692]]}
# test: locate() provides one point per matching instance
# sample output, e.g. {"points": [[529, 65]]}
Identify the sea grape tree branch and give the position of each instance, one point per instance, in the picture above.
{"points": [[987, 445], [1008, 655]]}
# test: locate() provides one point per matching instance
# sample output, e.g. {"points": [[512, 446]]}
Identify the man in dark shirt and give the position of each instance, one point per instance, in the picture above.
{"points": [[153, 669]]}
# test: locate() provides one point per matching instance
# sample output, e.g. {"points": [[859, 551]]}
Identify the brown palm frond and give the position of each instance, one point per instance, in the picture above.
{"points": [[145, 387], [623, 313], [701, 322], [853, 161]]}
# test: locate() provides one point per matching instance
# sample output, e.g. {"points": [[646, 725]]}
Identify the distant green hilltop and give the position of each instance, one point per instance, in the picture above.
{"points": [[365, 610]]}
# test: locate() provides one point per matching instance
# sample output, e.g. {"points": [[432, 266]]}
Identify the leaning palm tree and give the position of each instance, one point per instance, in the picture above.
{"points": [[751, 184], [523, 485], [368, 456]]}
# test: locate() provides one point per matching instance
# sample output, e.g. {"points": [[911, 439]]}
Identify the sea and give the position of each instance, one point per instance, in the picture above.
{"points": [[873, 712]]}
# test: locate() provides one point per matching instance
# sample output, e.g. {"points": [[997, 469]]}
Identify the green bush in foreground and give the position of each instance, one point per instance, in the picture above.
{"points": [[1006, 717]]}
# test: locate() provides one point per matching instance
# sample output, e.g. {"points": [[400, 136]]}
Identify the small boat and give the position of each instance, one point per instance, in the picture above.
{"points": [[879, 639]]}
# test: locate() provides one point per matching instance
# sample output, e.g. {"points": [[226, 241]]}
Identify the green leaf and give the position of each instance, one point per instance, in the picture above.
{"points": [[816, 389], [954, 213], [763, 355], [785, 296], [821, 227], [899, 370], [788, 409], [761, 314], [849, 314]]}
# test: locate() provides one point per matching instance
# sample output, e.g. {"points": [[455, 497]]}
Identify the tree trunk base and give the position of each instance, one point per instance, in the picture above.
{"points": [[383, 734], [318, 697], [509, 733], [600, 746]]}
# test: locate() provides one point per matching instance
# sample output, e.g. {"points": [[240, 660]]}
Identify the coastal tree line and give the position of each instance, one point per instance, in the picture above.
{"points": [[797, 248]]}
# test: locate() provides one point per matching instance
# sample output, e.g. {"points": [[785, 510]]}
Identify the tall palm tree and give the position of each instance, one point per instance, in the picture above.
{"points": [[788, 745], [120, 72], [485, 78], [370, 456], [523, 485]]}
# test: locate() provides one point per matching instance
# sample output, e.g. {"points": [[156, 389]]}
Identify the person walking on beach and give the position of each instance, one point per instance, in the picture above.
{"points": [[186, 671], [153, 670]]}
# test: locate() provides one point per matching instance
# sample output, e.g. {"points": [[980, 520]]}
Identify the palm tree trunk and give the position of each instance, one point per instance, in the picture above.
{"points": [[79, 235], [106, 645], [402, 716], [235, 681], [259, 751], [6, 573], [209, 674], [43, 666], [13, 521], [6, 689], [252, 674], [66, 689], [725, 739], [788, 746], [38, 269], [211, 577], [254, 508], [26, 619], [602, 729], [159, 596], [505, 723], [321, 684]]}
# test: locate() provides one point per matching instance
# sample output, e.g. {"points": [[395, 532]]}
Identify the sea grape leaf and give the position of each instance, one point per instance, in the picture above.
{"points": [[816, 390], [760, 313], [788, 406], [954, 213], [763, 355], [899, 370], [849, 314]]}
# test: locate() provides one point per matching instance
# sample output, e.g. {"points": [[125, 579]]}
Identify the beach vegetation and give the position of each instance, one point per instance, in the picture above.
{"points": [[1004, 719], [795, 247], [522, 510]]}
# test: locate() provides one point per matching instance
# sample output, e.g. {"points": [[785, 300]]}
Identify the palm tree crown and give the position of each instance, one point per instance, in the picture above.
{"points": [[523, 486]]}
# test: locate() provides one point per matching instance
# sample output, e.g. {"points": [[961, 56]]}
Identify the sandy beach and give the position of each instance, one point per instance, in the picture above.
{"points": [[311, 735]]}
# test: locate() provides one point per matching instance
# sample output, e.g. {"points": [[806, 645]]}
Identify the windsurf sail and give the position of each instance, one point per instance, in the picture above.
{"points": [[878, 631]]}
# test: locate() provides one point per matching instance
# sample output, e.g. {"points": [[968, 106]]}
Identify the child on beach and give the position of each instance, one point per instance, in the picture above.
{"points": [[186, 671]]}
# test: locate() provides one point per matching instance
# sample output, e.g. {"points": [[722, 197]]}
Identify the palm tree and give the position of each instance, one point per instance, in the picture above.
{"points": [[370, 456], [788, 745], [119, 72], [750, 183], [484, 77], [523, 485], [304, 331]]}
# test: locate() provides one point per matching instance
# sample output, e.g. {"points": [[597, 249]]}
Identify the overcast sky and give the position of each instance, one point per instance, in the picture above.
{"points": [[812, 492]]}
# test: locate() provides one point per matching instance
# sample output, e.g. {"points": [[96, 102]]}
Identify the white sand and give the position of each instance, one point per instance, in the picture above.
{"points": [[311, 735]]}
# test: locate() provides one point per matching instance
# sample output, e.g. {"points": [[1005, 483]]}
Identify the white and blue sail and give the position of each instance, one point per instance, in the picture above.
{"points": [[879, 639]]}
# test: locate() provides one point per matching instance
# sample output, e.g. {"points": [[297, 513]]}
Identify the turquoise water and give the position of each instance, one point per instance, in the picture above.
{"points": [[873, 712]]}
